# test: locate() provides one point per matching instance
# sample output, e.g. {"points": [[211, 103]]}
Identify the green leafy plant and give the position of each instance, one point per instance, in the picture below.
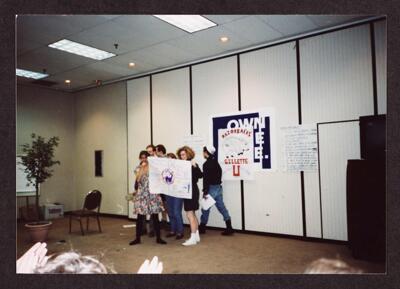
{"points": [[38, 159]]}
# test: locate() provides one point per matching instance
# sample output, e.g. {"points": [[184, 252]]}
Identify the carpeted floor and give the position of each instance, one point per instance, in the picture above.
{"points": [[240, 253]]}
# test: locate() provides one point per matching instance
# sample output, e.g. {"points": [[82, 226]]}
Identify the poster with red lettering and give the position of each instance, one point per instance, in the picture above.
{"points": [[235, 153], [245, 142]]}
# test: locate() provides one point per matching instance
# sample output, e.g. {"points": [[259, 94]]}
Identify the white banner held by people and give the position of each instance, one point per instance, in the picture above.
{"points": [[235, 153], [170, 177]]}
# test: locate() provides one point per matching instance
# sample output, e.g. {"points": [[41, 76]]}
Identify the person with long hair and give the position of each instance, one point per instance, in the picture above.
{"points": [[191, 205], [146, 203], [147, 226]]}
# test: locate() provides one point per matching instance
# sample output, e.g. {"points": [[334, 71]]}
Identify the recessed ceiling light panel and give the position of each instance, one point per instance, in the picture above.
{"points": [[189, 23], [30, 74], [224, 39], [80, 49]]}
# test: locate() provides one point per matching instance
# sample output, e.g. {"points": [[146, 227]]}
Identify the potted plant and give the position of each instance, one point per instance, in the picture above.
{"points": [[38, 159]]}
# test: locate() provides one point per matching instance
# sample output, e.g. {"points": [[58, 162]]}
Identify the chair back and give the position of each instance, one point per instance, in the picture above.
{"points": [[92, 201]]}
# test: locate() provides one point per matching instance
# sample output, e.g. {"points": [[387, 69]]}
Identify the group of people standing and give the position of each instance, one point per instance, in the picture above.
{"points": [[146, 203]]}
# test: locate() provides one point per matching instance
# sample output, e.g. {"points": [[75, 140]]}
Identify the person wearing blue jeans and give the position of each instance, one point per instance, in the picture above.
{"points": [[175, 206], [212, 174]]}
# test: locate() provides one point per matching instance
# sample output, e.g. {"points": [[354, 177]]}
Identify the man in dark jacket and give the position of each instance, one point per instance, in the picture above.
{"points": [[212, 174]]}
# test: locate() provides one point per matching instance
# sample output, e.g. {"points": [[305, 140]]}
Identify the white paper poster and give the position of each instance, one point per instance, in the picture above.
{"points": [[262, 123], [170, 177], [300, 151], [235, 153]]}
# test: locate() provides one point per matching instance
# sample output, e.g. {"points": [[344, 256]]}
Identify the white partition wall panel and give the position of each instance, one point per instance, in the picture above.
{"points": [[336, 85], [338, 142], [312, 204], [171, 108], [215, 91], [138, 109], [336, 75], [272, 201], [381, 64]]}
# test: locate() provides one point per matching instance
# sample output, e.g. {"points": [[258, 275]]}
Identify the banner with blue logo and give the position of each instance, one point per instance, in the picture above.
{"points": [[260, 125], [170, 177]]}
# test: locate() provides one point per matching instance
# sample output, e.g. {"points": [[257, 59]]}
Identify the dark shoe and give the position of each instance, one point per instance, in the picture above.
{"points": [[202, 228], [229, 230], [161, 241], [179, 236], [170, 234], [151, 234], [134, 242]]}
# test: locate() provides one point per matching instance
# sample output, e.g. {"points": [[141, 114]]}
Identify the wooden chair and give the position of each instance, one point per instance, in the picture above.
{"points": [[91, 208]]}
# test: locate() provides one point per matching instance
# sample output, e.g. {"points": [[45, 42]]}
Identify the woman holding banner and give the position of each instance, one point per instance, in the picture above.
{"points": [[146, 204], [191, 205]]}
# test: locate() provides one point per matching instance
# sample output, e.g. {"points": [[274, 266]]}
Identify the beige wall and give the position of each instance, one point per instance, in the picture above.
{"points": [[49, 113], [100, 124]]}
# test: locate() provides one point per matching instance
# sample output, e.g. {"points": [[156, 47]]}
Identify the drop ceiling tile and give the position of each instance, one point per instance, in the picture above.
{"points": [[253, 29], [206, 43], [82, 22], [164, 53], [222, 19], [145, 26], [289, 24], [45, 29], [104, 36], [99, 70], [25, 45], [110, 68], [156, 61], [53, 60], [123, 60], [333, 20], [76, 76]]}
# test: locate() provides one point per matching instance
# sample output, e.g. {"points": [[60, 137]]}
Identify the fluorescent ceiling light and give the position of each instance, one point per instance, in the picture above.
{"points": [[80, 49], [30, 74], [189, 23]]}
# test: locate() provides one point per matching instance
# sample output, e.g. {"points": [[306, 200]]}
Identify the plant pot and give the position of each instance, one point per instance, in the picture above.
{"points": [[38, 231]]}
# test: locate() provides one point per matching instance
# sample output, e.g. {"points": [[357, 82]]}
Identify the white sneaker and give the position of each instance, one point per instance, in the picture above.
{"points": [[191, 241], [197, 235]]}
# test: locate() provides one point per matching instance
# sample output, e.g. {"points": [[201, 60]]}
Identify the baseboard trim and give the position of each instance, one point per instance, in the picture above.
{"points": [[249, 232]]}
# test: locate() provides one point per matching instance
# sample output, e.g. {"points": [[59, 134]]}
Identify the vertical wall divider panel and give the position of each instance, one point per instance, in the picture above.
{"points": [[373, 62], [303, 204], [336, 85], [240, 108], [381, 64], [215, 91], [338, 142], [269, 79], [171, 109], [138, 126]]}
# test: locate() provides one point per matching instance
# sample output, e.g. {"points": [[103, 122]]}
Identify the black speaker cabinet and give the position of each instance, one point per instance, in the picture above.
{"points": [[373, 137], [366, 209]]}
